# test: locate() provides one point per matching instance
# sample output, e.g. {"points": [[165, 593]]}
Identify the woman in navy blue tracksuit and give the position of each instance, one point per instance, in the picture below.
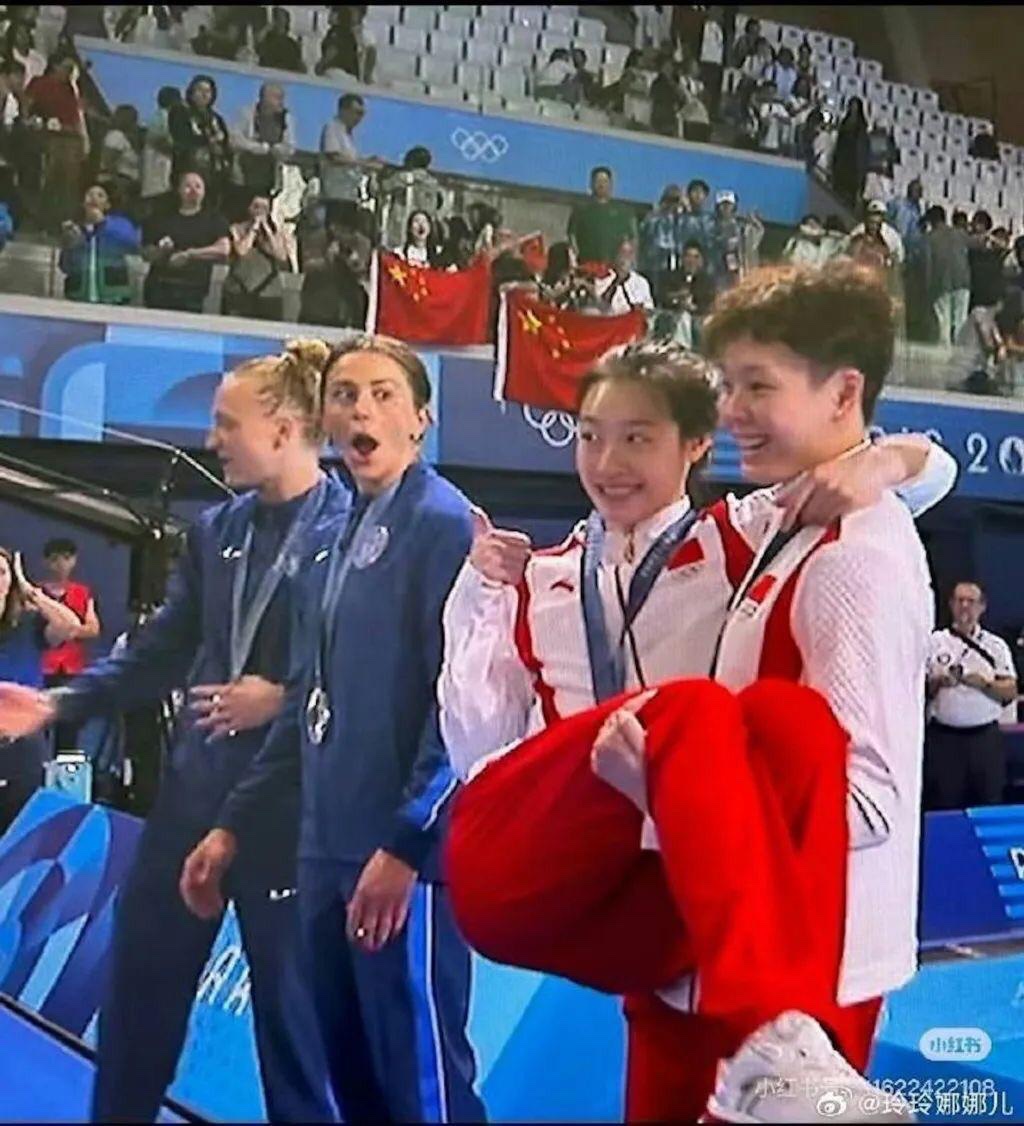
{"points": [[223, 629], [389, 970]]}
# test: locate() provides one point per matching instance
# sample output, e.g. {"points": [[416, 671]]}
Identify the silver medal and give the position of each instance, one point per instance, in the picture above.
{"points": [[371, 547]]}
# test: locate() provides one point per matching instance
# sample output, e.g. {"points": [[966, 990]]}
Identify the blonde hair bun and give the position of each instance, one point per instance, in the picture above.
{"points": [[309, 352]]}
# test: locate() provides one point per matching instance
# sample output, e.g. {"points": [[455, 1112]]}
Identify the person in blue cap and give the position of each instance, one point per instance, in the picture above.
{"points": [[390, 972], [223, 629]]}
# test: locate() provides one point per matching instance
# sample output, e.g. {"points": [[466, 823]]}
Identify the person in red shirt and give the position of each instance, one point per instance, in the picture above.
{"points": [[55, 99], [67, 660]]}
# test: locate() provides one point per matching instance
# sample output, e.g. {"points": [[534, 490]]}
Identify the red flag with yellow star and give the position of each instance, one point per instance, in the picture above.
{"points": [[544, 351], [426, 306]]}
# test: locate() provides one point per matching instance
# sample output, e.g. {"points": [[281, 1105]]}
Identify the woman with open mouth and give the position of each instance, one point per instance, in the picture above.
{"points": [[389, 970]]}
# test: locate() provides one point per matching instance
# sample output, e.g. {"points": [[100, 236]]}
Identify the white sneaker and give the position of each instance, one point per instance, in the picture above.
{"points": [[788, 1071]]}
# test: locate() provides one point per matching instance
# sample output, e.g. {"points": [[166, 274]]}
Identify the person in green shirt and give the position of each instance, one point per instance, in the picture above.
{"points": [[598, 227]]}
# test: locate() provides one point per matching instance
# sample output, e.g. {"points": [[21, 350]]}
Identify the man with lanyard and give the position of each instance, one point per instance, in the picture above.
{"points": [[624, 289], [358, 731], [222, 629], [971, 679]]}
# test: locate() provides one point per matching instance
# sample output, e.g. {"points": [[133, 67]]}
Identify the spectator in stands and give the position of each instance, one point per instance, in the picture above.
{"points": [[1015, 265], [947, 274], [460, 245], [770, 118], [747, 43], [712, 59], [56, 99], [598, 227], [808, 247], [698, 222], [19, 47], [984, 145], [223, 38], [756, 72], [878, 229], [557, 78], [411, 188], [182, 248], [420, 245], [735, 241], [805, 64], [632, 81], [562, 284], [484, 225], [259, 253], [15, 136], [987, 253], [695, 117], [661, 237], [906, 214], [961, 221], [994, 338], [797, 141], [341, 171], [784, 73], [335, 262], [95, 250], [588, 89], [278, 50], [120, 159], [850, 158], [667, 99], [347, 47], [263, 140], [201, 140], [158, 150], [624, 289], [653, 25], [688, 288]]}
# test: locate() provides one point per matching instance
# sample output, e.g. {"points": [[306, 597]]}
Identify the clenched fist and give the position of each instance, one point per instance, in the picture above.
{"points": [[498, 555]]}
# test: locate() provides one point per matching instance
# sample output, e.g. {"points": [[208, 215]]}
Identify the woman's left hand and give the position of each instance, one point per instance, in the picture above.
{"points": [[379, 906], [837, 488]]}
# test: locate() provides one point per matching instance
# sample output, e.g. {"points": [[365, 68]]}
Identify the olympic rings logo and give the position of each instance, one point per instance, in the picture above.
{"points": [[558, 428], [479, 146]]}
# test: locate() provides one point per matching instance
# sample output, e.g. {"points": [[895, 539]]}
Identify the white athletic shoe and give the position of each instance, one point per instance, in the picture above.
{"points": [[788, 1071]]}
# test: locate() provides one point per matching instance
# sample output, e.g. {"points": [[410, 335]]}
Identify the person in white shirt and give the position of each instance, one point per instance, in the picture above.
{"points": [[341, 168], [971, 680], [875, 225], [520, 659], [420, 247], [624, 289]]}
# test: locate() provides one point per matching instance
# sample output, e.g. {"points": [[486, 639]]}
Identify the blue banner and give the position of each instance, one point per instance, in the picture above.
{"points": [[158, 381], [510, 150]]}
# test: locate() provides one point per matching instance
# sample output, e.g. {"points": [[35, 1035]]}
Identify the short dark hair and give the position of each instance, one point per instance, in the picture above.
{"points": [[195, 82], [347, 100], [837, 315], [698, 183], [418, 157], [936, 214], [396, 350], [684, 381], [168, 96], [693, 244], [59, 545], [601, 168], [983, 219]]}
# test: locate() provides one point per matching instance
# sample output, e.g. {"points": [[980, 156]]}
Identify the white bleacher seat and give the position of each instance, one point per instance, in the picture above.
{"points": [[883, 117], [521, 37], [869, 68], [518, 56], [303, 19], [934, 186], [911, 161], [490, 102], [446, 92], [408, 86], [437, 71], [791, 37], [966, 167], [472, 76], [464, 11], [930, 141], [484, 53], [378, 31], [877, 91], [565, 9], [849, 86], [820, 43], [385, 13], [409, 38], [989, 173], [556, 109], [956, 124], [394, 64], [590, 116], [1007, 152], [452, 24], [445, 46], [552, 40], [842, 47], [771, 30], [557, 21], [938, 164], [420, 15], [521, 107], [590, 31], [484, 32], [529, 17], [926, 99], [902, 95], [495, 13], [615, 54], [509, 81], [904, 138], [979, 125], [933, 121], [846, 66], [909, 117]]}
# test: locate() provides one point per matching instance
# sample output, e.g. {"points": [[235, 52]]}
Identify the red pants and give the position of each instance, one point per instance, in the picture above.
{"points": [[748, 794]]}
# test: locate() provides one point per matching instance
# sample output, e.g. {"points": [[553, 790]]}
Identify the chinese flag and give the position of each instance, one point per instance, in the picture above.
{"points": [[543, 351], [425, 306]]}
